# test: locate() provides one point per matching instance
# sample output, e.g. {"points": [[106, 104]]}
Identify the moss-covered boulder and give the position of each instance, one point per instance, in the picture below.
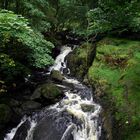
{"points": [[81, 59], [56, 75], [31, 105], [87, 107], [115, 74], [5, 114], [48, 91]]}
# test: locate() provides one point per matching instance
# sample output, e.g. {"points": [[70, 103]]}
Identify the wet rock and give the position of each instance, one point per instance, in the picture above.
{"points": [[66, 71], [5, 114], [53, 127], [48, 91], [87, 108], [68, 84], [57, 76], [31, 105], [22, 132]]}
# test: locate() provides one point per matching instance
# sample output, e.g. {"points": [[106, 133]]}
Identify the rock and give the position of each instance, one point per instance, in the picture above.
{"points": [[49, 91], [57, 76], [53, 126], [36, 94], [68, 84], [31, 105], [87, 108], [18, 113], [80, 60], [5, 114], [14, 103], [66, 71], [22, 132]]}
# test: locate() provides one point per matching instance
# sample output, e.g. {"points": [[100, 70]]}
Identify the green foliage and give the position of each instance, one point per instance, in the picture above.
{"points": [[21, 48], [17, 36], [98, 16], [10, 69], [98, 22], [114, 15], [115, 71], [46, 15], [38, 13]]}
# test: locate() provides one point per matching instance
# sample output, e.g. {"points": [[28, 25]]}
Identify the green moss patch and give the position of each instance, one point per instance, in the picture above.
{"points": [[116, 72]]}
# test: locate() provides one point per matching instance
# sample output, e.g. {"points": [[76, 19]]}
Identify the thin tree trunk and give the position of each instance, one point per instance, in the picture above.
{"points": [[17, 6], [6, 4]]}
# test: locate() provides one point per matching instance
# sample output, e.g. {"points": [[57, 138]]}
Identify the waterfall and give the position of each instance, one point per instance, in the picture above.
{"points": [[76, 116]]}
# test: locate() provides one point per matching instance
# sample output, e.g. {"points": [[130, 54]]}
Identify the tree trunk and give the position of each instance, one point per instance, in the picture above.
{"points": [[17, 6], [6, 4]]}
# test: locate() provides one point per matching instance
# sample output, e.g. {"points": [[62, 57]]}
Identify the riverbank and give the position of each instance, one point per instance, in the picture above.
{"points": [[115, 76]]}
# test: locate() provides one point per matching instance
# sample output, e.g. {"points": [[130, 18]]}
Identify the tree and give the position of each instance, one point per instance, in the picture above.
{"points": [[20, 46]]}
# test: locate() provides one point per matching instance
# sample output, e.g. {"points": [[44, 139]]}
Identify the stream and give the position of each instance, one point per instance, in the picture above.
{"points": [[75, 117]]}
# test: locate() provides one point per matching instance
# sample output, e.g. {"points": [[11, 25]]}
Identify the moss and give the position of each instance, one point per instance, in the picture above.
{"points": [[57, 76], [49, 91], [81, 59], [116, 72]]}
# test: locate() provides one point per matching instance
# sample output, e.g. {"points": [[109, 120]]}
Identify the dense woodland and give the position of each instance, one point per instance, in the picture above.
{"points": [[30, 30]]}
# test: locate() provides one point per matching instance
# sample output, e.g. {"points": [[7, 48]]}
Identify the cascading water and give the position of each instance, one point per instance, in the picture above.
{"points": [[75, 117]]}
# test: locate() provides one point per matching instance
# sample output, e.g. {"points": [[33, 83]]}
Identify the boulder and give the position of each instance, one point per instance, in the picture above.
{"points": [[80, 60], [48, 91], [31, 105], [36, 94], [14, 103], [22, 131], [56, 75], [87, 108]]}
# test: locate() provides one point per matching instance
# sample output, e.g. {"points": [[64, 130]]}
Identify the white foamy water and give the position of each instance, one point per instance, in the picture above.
{"points": [[60, 59], [33, 123], [12, 133], [74, 104]]}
